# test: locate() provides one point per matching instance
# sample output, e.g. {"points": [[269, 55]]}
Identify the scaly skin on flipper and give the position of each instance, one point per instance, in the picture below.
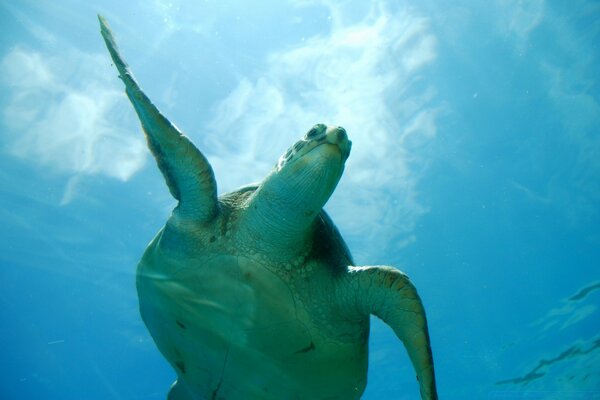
{"points": [[253, 295], [388, 293]]}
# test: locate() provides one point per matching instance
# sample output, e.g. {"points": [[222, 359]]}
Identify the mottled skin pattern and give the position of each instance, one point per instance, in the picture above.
{"points": [[254, 295]]}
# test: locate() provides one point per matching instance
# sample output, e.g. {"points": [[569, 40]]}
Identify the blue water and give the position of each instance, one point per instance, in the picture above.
{"points": [[475, 169]]}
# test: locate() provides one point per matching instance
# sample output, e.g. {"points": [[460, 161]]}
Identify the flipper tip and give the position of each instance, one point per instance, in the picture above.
{"points": [[111, 44], [103, 23]]}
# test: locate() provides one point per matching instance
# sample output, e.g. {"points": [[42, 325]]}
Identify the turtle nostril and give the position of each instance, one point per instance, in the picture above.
{"points": [[336, 135]]}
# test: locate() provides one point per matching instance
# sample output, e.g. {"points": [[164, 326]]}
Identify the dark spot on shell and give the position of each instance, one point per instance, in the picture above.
{"points": [[180, 324], [212, 239], [308, 348], [180, 366], [216, 391]]}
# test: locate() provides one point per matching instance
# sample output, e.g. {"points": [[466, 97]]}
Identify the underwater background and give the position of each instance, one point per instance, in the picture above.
{"points": [[475, 169]]}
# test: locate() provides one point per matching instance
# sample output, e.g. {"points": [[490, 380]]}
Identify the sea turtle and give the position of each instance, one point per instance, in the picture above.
{"points": [[254, 294]]}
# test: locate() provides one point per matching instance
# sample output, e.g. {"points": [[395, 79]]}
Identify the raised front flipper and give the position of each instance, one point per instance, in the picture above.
{"points": [[389, 294], [187, 172]]}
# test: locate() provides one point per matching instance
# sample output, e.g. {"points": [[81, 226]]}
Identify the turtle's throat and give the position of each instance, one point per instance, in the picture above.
{"points": [[282, 212], [278, 234]]}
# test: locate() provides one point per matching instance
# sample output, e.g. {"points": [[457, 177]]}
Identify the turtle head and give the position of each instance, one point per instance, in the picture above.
{"points": [[308, 172], [336, 149], [286, 204]]}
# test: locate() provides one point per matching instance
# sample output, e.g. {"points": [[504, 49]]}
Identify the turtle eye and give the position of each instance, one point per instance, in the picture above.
{"points": [[316, 131], [297, 146], [312, 133]]}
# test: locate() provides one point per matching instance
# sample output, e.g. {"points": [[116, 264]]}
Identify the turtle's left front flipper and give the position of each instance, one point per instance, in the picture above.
{"points": [[187, 172], [389, 294]]}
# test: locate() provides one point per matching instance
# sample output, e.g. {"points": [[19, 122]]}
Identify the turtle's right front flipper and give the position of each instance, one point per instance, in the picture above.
{"points": [[389, 294], [187, 172]]}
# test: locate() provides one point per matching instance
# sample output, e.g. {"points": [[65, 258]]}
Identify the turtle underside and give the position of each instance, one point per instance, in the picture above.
{"points": [[241, 327]]}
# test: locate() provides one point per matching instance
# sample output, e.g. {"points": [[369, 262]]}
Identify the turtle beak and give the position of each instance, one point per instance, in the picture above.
{"points": [[337, 135]]}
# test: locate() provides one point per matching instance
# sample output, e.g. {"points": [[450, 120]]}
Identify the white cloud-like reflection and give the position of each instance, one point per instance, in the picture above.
{"points": [[364, 76], [67, 117]]}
